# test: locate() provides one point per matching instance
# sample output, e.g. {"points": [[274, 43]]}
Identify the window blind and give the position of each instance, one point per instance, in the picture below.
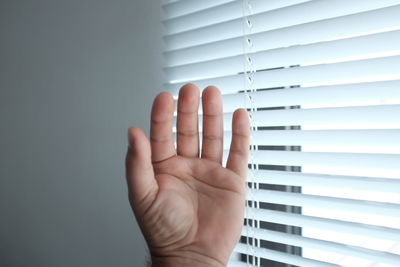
{"points": [[321, 82]]}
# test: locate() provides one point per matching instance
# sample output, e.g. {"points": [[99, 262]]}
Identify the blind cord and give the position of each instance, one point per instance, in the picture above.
{"points": [[252, 242]]}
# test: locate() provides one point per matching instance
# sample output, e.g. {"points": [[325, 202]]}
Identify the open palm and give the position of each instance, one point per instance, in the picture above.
{"points": [[189, 207]]}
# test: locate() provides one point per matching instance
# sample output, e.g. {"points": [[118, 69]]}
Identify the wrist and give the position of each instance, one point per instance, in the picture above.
{"points": [[184, 261]]}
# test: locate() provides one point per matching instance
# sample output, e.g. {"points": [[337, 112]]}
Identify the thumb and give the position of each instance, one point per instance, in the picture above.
{"points": [[142, 186]]}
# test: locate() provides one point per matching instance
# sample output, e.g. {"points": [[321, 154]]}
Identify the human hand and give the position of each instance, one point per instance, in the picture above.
{"points": [[189, 208]]}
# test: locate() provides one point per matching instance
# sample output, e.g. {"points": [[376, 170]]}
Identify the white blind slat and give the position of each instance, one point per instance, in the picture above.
{"points": [[340, 10], [358, 117], [330, 203], [356, 94], [374, 45], [370, 184], [332, 225], [236, 263], [384, 92], [294, 240], [364, 138], [326, 159], [181, 8], [283, 257], [224, 12], [362, 117], [377, 69], [367, 141], [336, 28]]}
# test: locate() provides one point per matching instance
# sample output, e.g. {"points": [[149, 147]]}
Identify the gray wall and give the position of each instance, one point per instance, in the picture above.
{"points": [[74, 74]]}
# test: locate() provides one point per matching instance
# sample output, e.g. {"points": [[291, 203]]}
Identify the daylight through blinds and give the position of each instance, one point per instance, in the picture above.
{"points": [[321, 82]]}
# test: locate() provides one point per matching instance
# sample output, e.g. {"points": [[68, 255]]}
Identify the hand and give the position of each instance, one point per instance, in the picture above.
{"points": [[190, 208]]}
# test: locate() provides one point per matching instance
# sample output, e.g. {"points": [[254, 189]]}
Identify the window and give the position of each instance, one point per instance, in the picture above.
{"points": [[321, 82]]}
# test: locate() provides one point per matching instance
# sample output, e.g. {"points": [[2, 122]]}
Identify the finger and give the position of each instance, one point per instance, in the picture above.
{"points": [[187, 121], [239, 151], [142, 186], [162, 113], [213, 129]]}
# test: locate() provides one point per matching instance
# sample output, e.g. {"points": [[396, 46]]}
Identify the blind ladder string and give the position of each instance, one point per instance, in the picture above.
{"points": [[249, 72]]}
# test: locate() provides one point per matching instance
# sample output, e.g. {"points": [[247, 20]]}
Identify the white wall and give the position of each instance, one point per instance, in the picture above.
{"points": [[73, 76]]}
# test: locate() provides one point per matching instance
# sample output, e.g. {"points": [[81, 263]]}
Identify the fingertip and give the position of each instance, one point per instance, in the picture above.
{"points": [[241, 122], [189, 95], [241, 112], [164, 97], [133, 133], [211, 100], [188, 87], [164, 94], [211, 91], [163, 107], [137, 139]]}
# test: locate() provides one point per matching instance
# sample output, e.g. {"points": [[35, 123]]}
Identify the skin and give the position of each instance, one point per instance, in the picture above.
{"points": [[188, 206]]}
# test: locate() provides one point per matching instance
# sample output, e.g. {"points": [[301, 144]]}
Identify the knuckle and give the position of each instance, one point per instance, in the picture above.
{"points": [[187, 133]]}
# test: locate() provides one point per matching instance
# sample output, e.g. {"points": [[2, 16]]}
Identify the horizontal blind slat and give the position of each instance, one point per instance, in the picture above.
{"points": [[336, 28], [375, 45], [371, 184], [279, 217], [205, 17], [367, 70], [181, 8], [300, 241], [326, 159], [221, 13], [358, 117], [335, 95], [365, 138], [282, 257], [291, 16], [363, 141], [235, 263], [355, 117], [304, 200]]}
